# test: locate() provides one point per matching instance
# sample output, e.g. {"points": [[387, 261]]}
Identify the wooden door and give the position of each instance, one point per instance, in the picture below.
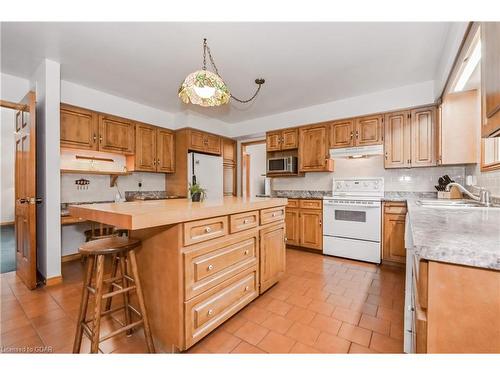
{"points": [[394, 238], [313, 151], [273, 141], [368, 131], [272, 256], [196, 140], [145, 148], [79, 128], [165, 151], [397, 140], [116, 135], [490, 78], [228, 151], [292, 226], [423, 147], [342, 134], [311, 229], [289, 139], [25, 191], [213, 144]]}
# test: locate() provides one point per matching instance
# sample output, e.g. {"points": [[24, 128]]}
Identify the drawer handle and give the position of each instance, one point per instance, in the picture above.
{"points": [[245, 221], [208, 229], [210, 312], [246, 252], [247, 288], [210, 267], [274, 214]]}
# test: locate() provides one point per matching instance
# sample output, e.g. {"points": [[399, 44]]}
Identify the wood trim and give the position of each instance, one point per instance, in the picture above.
{"points": [[54, 280], [12, 105], [4, 223], [487, 167], [70, 257]]}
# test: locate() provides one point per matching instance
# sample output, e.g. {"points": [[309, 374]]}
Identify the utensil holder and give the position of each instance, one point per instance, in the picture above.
{"points": [[454, 193]]}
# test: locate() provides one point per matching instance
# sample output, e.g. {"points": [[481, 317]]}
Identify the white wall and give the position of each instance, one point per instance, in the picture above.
{"points": [[13, 88], [7, 153], [401, 97], [414, 179]]}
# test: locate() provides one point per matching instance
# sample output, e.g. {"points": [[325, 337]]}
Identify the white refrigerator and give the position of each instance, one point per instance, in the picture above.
{"points": [[207, 171]]}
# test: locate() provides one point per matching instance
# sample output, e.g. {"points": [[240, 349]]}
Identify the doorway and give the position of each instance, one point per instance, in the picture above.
{"points": [[253, 168]]}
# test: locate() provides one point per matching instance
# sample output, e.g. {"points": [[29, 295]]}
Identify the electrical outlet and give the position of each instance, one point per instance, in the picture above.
{"points": [[139, 184]]}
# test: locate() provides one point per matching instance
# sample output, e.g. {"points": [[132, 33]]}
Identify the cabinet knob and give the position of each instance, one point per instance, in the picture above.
{"points": [[247, 288], [210, 312], [320, 222], [245, 221], [247, 252], [274, 214], [94, 137], [210, 267], [208, 229], [100, 139]]}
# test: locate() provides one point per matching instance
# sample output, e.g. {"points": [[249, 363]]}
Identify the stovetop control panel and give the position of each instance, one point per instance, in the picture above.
{"points": [[370, 187]]}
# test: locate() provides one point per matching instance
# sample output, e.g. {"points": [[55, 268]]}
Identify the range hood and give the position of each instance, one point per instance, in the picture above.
{"points": [[356, 152]]}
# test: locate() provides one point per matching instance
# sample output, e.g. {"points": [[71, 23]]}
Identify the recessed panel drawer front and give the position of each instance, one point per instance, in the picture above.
{"points": [[311, 204], [271, 215], [243, 221], [293, 203], [204, 230], [395, 209], [207, 311], [206, 267]]}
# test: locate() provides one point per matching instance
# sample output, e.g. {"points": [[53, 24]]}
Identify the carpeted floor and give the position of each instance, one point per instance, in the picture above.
{"points": [[7, 249]]}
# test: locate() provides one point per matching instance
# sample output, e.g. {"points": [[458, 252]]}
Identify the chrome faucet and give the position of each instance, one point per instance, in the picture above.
{"points": [[484, 196]]}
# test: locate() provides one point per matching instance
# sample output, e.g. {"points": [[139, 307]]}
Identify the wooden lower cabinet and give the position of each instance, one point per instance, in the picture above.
{"points": [[311, 233], [394, 232], [292, 226], [272, 256], [304, 223]]}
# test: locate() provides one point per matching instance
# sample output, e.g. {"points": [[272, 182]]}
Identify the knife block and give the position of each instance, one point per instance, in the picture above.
{"points": [[454, 193]]}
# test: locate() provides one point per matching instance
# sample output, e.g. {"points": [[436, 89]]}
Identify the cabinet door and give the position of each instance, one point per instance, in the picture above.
{"points": [[272, 256], [229, 151], [213, 144], [490, 78], [342, 134], [292, 226], [79, 128], [196, 140], [116, 134], [145, 148], [165, 151], [289, 139], [394, 238], [273, 141], [311, 229], [397, 140], [313, 151], [229, 180], [423, 147], [368, 131]]}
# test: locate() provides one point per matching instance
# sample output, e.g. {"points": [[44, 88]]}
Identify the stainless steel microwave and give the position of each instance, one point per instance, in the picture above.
{"points": [[285, 164]]}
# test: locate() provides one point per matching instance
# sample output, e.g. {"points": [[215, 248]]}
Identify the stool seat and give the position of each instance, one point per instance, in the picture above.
{"points": [[109, 245]]}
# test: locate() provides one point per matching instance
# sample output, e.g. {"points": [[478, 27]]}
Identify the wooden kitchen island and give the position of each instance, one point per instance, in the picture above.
{"points": [[199, 263]]}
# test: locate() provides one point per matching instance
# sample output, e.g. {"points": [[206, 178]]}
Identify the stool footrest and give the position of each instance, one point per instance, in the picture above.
{"points": [[120, 291], [121, 330]]}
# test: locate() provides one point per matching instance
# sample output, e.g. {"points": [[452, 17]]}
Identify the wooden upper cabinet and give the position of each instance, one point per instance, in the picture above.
{"points": [[272, 255], [287, 139], [116, 134], [313, 149], [368, 131], [165, 151], [310, 228], [204, 142], [397, 140], [490, 78], [196, 140], [228, 151], [145, 148], [213, 144], [79, 128], [423, 129], [342, 134]]}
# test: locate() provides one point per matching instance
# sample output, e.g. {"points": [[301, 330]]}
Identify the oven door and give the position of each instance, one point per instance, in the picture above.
{"points": [[358, 221]]}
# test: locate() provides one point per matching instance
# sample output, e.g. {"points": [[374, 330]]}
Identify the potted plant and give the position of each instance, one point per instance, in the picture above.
{"points": [[197, 192]]}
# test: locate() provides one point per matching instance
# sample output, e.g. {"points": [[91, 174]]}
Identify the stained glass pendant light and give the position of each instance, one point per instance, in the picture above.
{"points": [[206, 88]]}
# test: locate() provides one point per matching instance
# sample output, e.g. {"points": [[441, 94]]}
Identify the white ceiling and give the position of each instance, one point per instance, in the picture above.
{"points": [[303, 63]]}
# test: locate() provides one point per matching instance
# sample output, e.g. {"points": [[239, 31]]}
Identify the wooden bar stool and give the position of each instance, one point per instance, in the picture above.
{"points": [[121, 249]]}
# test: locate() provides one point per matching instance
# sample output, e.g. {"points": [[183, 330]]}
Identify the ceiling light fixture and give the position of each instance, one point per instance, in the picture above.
{"points": [[206, 88]]}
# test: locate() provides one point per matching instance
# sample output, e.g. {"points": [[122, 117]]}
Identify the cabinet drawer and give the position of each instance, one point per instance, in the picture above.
{"points": [[292, 203], [204, 230], [311, 203], [395, 209], [243, 221], [206, 266], [271, 215], [209, 310]]}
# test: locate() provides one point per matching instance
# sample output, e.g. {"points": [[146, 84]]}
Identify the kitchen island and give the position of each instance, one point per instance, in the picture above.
{"points": [[199, 262]]}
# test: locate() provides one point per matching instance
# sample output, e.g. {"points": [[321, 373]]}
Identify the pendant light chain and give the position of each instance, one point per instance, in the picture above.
{"points": [[258, 81]]}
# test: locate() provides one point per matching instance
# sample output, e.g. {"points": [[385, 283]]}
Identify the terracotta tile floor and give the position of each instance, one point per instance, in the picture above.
{"points": [[322, 305]]}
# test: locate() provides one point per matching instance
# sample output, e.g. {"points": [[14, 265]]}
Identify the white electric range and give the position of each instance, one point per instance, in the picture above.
{"points": [[352, 219]]}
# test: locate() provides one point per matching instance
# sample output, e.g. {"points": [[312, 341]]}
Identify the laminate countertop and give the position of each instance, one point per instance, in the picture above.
{"points": [[466, 236], [148, 214]]}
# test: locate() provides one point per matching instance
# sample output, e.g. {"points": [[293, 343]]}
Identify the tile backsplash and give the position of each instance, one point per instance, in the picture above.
{"points": [[99, 189], [414, 179], [488, 180]]}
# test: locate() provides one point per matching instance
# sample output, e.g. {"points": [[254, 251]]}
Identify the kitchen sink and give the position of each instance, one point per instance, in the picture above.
{"points": [[452, 203]]}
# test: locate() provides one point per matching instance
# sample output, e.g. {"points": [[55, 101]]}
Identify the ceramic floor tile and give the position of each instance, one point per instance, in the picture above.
{"points": [[276, 343], [326, 324], [327, 343], [303, 333], [355, 334], [251, 332], [381, 326], [246, 348], [277, 323]]}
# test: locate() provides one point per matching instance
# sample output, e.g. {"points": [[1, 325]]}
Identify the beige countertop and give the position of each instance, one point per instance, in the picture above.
{"points": [[148, 214]]}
